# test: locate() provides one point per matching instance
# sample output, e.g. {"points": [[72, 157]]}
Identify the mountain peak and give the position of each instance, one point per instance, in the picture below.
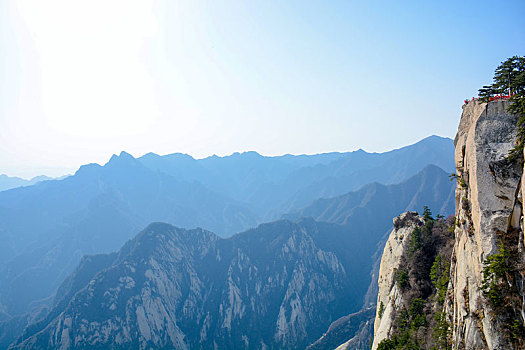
{"points": [[122, 157], [125, 154], [435, 138], [179, 155], [432, 168], [151, 154], [250, 154], [40, 178], [87, 168]]}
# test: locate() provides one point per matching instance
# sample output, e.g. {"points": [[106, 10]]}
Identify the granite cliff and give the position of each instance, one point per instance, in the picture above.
{"points": [[489, 218], [413, 280], [476, 300]]}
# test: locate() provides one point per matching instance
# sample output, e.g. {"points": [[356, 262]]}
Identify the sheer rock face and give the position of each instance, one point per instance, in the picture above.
{"points": [[271, 287], [488, 205], [389, 294], [489, 202]]}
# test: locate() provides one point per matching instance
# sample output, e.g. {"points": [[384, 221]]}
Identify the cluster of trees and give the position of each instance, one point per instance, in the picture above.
{"points": [[509, 78]]}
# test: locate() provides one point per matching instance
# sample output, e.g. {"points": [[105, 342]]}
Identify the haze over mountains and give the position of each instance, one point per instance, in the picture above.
{"points": [[8, 182], [275, 185], [48, 227], [263, 286]]}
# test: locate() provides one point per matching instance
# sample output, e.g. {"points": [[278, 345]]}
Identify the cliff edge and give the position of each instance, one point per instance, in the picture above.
{"points": [[472, 295], [489, 219]]}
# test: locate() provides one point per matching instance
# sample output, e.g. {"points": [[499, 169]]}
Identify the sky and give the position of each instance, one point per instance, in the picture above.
{"points": [[82, 80]]}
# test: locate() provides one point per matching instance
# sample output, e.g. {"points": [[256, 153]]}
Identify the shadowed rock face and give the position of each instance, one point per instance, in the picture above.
{"points": [[277, 286]]}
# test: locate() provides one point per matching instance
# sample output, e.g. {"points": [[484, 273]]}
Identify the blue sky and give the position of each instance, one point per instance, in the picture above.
{"points": [[80, 81]]}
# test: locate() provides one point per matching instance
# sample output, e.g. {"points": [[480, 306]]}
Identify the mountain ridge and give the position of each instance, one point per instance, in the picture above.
{"points": [[49, 226], [355, 254], [162, 247]]}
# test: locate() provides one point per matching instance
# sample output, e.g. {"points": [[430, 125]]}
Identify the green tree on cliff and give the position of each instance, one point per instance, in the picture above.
{"points": [[509, 78]]}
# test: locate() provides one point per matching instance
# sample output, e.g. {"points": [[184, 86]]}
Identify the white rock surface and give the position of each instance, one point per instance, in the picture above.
{"points": [[389, 294], [489, 202], [486, 198]]}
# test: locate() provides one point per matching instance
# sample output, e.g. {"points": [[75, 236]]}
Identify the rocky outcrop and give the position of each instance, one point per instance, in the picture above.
{"points": [[357, 327], [488, 213], [390, 297], [413, 281], [361, 339]]}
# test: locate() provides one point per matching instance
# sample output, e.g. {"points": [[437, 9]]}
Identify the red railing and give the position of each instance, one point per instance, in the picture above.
{"points": [[491, 98]]}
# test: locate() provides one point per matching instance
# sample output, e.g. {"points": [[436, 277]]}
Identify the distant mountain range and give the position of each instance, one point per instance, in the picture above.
{"points": [[431, 187], [48, 227], [352, 236], [8, 182], [271, 186]]}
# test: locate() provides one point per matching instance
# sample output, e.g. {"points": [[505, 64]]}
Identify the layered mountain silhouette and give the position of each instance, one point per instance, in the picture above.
{"points": [[51, 225], [46, 228], [238, 274], [275, 185], [9, 182], [431, 187], [369, 211]]}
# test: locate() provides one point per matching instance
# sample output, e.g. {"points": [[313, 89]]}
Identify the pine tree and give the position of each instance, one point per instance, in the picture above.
{"points": [[427, 214], [509, 78]]}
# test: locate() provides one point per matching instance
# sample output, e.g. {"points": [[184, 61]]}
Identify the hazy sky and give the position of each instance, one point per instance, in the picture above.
{"points": [[81, 80]]}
